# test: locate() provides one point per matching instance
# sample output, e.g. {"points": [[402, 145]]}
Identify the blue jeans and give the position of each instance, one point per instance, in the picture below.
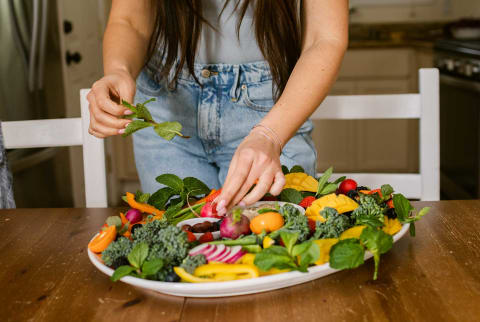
{"points": [[217, 116]]}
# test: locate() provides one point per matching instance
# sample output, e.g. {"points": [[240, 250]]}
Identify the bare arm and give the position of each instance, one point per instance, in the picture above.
{"points": [[325, 39], [125, 45]]}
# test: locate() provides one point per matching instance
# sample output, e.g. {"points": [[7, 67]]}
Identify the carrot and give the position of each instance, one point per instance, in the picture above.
{"points": [[124, 219], [101, 242], [143, 207]]}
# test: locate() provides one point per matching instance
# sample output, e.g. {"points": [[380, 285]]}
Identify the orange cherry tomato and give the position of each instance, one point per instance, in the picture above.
{"points": [[269, 221], [390, 204], [101, 242]]}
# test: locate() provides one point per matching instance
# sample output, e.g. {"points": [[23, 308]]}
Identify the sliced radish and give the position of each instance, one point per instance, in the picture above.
{"points": [[210, 251], [227, 252], [233, 252], [235, 258], [217, 253], [200, 249]]}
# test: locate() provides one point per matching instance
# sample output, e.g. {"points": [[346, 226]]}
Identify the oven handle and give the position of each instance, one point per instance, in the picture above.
{"points": [[458, 82]]}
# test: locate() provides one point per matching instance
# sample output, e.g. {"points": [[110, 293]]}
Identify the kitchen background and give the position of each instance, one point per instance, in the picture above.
{"points": [[51, 49]]}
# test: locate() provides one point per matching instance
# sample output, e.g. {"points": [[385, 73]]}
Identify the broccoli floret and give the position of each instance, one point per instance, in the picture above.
{"points": [[148, 233], [369, 212], [334, 225], [192, 262], [295, 222], [116, 253]]}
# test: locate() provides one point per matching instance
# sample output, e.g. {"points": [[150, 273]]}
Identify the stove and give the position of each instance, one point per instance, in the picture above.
{"points": [[459, 65]]}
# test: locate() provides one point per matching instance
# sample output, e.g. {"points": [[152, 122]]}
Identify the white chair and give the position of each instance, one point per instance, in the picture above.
{"points": [[65, 132], [423, 106]]}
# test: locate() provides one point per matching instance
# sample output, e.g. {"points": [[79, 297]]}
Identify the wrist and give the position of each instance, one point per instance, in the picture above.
{"points": [[258, 130]]}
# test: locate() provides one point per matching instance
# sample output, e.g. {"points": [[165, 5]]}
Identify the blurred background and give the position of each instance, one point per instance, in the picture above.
{"points": [[52, 48]]}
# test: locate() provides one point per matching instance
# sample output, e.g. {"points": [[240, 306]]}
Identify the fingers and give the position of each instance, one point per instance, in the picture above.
{"points": [[262, 187], [102, 97], [234, 181], [247, 185], [278, 184]]}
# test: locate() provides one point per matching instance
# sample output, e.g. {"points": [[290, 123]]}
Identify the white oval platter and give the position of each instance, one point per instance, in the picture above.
{"points": [[231, 288]]}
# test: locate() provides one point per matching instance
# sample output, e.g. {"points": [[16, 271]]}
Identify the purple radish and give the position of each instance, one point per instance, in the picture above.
{"points": [[133, 216], [217, 253], [233, 252], [200, 249], [235, 225], [224, 255], [235, 258]]}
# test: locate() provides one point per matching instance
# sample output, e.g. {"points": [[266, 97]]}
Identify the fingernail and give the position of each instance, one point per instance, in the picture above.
{"points": [[242, 204], [221, 204], [221, 211], [128, 112], [121, 131]]}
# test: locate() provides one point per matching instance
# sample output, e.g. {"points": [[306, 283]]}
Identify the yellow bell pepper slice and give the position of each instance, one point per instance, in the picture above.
{"points": [[392, 226], [267, 242], [301, 182], [249, 260], [217, 271], [340, 202], [187, 277], [353, 232], [325, 245]]}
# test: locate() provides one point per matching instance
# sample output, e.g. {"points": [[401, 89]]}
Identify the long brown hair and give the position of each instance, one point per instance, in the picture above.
{"points": [[277, 30]]}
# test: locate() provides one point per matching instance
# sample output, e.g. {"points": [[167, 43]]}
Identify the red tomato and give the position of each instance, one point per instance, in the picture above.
{"points": [[205, 238], [347, 185], [191, 237]]}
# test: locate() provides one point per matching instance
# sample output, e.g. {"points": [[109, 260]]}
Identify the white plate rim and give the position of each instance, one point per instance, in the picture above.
{"points": [[231, 288]]}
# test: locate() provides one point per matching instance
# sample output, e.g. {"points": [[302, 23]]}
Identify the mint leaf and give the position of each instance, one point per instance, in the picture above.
{"points": [[309, 255], [129, 106], [142, 197], [347, 254], [339, 180], [274, 256], [297, 169], [152, 267], [289, 240], [134, 126], [402, 207], [195, 187], [114, 221], [174, 208], [377, 242], [138, 255], [159, 198], [285, 170], [172, 181], [168, 130], [291, 195], [386, 190], [323, 180], [143, 113], [121, 272], [329, 188]]}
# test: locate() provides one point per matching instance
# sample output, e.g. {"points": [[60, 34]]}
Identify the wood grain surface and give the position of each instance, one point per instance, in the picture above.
{"points": [[45, 275]]}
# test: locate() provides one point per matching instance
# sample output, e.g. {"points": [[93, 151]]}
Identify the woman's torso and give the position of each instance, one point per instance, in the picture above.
{"points": [[223, 45]]}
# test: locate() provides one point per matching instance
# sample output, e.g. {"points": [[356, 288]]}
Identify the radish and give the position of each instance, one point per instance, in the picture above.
{"points": [[235, 225], [209, 210], [234, 259], [227, 252], [233, 253], [200, 249], [133, 216], [213, 257]]}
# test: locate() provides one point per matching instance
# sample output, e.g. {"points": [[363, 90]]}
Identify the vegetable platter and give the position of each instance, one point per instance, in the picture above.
{"points": [[174, 242]]}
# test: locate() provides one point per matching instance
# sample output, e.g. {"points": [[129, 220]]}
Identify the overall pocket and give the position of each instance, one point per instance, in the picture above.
{"points": [[257, 96], [148, 86]]}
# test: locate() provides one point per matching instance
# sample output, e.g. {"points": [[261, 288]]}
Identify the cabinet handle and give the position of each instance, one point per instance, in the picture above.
{"points": [[67, 26], [73, 57]]}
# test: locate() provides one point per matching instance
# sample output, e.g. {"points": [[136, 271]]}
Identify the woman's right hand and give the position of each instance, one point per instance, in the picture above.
{"points": [[104, 103]]}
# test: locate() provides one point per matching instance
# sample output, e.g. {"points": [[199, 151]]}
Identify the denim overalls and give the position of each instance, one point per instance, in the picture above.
{"points": [[217, 116]]}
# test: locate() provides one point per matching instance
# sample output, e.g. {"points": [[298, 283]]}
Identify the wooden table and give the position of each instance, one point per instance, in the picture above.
{"points": [[45, 275]]}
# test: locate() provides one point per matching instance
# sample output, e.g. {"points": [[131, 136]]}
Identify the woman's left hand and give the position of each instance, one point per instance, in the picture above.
{"points": [[257, 157]]}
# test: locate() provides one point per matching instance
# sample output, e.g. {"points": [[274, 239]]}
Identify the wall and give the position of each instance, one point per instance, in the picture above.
{"points": [[435, 10]]}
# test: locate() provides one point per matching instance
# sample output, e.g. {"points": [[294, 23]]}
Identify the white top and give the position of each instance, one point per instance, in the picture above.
{"points": [[223, 45]]}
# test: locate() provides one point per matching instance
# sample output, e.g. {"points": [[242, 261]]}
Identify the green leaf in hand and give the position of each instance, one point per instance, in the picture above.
{"points": [[121, 272], [138, 255], [168, 130], [347, 254], [134, 126], [377, 242]]}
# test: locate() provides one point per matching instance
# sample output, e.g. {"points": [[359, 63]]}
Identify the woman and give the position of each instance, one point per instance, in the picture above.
{"points": [[241, 76]]}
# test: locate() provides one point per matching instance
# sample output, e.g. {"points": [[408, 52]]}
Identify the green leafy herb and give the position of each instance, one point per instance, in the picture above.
{"points": [[142, 197], [297, 169], [265, 210], [172, 181], [114, 221], [195, 186], [291, 195], [121, 272], [160, 197], [347, 254], [285, 170], [386, 190], [142, 118], [323, 180], [406, 213], [377, 242], [138, 255], [152, 267], [139, 266]]}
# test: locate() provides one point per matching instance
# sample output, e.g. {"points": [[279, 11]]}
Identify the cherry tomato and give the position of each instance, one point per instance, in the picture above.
{"points": [[347, 185]]}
